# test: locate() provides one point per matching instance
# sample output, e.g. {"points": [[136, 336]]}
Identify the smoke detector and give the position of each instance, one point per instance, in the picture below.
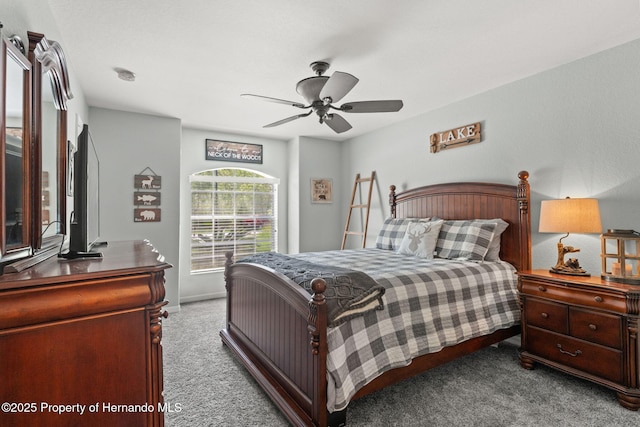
{"points": [[126, 75]]}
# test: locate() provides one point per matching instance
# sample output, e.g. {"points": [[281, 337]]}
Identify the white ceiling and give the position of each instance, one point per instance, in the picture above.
{"points": [[193, 58]]}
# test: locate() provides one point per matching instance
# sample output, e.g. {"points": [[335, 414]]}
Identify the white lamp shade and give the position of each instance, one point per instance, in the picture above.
{"points": [[570, 216]]}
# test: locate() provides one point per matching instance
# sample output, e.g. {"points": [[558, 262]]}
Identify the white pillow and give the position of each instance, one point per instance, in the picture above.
{"points": [[420, 239], [493, 254]]}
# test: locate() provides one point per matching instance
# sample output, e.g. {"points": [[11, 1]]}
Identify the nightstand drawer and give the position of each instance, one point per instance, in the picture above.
{"points": [[547, 315], [600, 328], [591, 358], [597, 299]]}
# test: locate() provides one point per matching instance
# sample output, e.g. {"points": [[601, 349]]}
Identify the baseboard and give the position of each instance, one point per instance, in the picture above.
{"points": [[194, 298], [172, 309], [202, 297]]}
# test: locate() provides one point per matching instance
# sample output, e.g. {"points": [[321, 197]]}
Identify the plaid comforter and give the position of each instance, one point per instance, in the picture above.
{"points": [[428, 305]]}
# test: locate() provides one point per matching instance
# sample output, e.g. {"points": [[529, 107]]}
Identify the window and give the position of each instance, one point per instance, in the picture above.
{"points": [[231, 210]]}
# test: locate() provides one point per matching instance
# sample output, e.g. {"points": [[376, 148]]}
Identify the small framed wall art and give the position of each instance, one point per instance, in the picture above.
{"points": [[321, 190], [146, 196], [146, 215]]}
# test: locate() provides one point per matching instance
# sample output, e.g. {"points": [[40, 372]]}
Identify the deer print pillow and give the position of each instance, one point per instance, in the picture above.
{"points": [[420, 239]]}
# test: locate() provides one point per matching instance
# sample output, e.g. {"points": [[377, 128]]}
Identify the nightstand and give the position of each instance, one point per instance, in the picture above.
{"points": [[583, 326]]}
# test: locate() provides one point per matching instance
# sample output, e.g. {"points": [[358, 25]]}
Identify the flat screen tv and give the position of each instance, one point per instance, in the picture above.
{"points": [[84, 226]]}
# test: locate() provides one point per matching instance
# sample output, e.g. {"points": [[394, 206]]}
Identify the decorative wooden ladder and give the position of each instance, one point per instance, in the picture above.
{"points": [[357, 188]]}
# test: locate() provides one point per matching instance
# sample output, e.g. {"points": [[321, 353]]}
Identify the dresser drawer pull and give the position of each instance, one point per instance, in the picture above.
{"points": [[577, 352], [542, 289], [544, 315], [592, 327], [598, 299]]}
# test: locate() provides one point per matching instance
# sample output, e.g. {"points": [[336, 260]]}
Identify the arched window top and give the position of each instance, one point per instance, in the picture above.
{"points": [[232, 209], [236, 174]]}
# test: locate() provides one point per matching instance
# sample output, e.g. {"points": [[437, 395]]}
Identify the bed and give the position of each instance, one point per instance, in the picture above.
{"points": [[283, 333]]}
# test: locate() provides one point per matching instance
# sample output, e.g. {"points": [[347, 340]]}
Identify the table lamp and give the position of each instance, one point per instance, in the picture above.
{"points": [[569, 216]]}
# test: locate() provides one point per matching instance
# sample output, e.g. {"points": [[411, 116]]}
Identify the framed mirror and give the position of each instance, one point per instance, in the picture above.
{"points": [[51, 91], [15, 150]]}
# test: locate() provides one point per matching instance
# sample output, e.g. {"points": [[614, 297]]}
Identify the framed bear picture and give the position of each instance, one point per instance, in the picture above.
{"points": [[321, 190]]}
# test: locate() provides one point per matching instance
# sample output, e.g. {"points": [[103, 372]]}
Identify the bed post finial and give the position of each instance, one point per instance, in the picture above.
{"points": [[525, 218], [392, 200], [523, 190]]}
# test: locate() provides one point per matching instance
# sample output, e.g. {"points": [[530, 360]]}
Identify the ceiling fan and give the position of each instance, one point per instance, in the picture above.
{"points": [[321, 92]]}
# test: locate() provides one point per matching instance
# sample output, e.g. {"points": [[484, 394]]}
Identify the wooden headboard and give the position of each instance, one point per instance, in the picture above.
{"points": [[475, 200]]}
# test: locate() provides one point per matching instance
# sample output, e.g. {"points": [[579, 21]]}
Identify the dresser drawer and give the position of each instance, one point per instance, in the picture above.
{"points": [[600, 328], [601, 299], [590, 358], [547, 315]]}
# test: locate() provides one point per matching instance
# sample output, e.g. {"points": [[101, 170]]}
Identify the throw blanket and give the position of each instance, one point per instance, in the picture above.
{"points": [[349, 293]]}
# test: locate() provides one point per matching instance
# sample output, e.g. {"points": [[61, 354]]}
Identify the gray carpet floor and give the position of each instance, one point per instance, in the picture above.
{"points": [[206, 386]]}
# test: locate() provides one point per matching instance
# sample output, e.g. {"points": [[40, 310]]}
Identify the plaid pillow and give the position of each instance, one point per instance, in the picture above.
{"points": [[392, 232], [493, 254], [464, 240]]}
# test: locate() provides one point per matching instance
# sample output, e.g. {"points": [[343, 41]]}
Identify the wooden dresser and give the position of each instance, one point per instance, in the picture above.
{"points": [[80, 340], [584, 326]]}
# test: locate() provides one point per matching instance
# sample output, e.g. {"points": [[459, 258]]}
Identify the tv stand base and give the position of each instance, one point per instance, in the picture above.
{"points": [[77, 255]]}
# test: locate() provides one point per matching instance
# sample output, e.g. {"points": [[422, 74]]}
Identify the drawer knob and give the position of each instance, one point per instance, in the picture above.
{"points": [[577, 352], [542, 289], [592, 327], [598, 299], [544, 315]]}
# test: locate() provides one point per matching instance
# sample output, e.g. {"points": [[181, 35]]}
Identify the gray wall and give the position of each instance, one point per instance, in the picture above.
{"points": [[573, 128], [320, 225], [127, 143], [293, 208], [275, 164]]}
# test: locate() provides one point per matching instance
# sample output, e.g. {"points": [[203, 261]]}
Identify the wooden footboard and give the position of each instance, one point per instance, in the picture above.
{"points": [[281, 340]]}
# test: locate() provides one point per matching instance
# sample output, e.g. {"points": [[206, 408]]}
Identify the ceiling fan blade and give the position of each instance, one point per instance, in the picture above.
{"points": [[287, 120], [338, 85], [337, 123], [388, 106], [276, 100]]}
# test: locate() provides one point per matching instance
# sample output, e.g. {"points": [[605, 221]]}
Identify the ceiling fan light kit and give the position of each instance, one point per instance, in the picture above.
{"points": [[320, 92]]}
